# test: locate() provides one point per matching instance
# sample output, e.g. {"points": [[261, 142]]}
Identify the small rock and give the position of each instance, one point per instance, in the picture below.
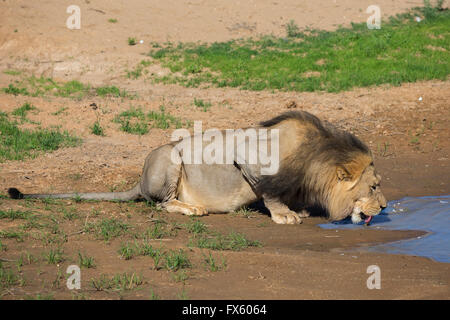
{"points": [[291, 105]]}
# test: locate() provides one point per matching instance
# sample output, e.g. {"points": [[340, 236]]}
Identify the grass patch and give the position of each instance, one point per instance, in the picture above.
{"points": [[7, 277], [129, 250], [14, 214], [233, 241], [12, 89], [135, 121], [23, 110], [212, 264], [85, 261], [138, 70], [195, 226], [118, 282], [12, 72], [112, 91], [112, 20], [159, 230], [162, 120], [199, 103], [310, 60], [107, 229], [54, 256], [180, 276], [35, 87], [11, 234], [97, 129], [132, 41], [132, 121], [19, 144], [176, 260]]}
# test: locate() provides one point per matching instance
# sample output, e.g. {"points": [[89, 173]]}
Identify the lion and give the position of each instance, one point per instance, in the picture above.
{"points": [[319, 165]]}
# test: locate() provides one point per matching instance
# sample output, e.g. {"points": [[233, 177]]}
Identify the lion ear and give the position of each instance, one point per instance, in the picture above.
{"points": [[343, 174]]}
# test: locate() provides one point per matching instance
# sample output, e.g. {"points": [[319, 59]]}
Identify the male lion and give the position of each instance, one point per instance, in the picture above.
{"points": [[319, 165]]}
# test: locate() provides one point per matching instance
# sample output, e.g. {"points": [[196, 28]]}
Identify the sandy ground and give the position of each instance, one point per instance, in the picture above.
{"points": [[408, 137]]}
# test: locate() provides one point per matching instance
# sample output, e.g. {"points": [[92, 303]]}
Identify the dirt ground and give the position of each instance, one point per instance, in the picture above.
{"points": [[407, 128]]}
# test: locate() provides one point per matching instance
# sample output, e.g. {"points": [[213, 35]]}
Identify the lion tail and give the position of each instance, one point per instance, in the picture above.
{"points": [[132, 194]]}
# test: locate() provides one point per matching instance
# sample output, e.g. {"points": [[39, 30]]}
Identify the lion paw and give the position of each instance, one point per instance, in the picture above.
{"points": [[198, 211], [286, 218]]}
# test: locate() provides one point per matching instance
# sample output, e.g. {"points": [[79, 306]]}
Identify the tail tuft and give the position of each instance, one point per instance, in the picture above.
{"points": [[15, 193]]}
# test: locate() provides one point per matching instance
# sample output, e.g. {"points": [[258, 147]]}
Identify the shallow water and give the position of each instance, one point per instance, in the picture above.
{"points": [[430, 214]]}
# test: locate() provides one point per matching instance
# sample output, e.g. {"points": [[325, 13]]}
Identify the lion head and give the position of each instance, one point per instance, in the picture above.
{"points": [[355, 191], [326, 167]]}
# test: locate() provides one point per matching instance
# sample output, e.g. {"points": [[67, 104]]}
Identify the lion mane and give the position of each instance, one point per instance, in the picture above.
{"points": [[309, 175]]}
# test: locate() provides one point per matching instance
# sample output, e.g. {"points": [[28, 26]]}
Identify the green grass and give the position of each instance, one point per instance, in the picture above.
{"points": [[33, 86], [180, 276], [159, 231], [212, 264], [22, 111], [107, 228], [19, 144], [14, 214], [131, 41], [138, 70], [195, 226], [85, 261], [25, 259], [202, 104], [292, 30], [12, 89], [245, 212], [135, 121], [97, 129], [54, 256], [12, 234], [162, 120], [129, 250], [132, 121], [69, 213], [176, 260], [118, 282], [215, 241], [112, 91], [12, 72], [310, 60], [7, 278], [112, 20]]}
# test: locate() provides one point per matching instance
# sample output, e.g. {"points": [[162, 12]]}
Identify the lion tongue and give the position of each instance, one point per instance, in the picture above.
{"points": [[368, 219]]}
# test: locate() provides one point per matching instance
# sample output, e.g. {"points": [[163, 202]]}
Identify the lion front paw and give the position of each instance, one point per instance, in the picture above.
{"points": [[286, 218], [198, 211]]}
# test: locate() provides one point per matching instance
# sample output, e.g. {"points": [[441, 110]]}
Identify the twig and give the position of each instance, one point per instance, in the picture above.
{"points": [[74, 233]]}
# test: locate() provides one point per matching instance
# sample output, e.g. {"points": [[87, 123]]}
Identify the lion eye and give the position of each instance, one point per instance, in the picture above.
{"points": [[373, 188]]}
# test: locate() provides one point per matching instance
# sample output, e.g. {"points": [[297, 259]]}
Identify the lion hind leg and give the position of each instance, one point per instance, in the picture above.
{"points": [[176, 206]]}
